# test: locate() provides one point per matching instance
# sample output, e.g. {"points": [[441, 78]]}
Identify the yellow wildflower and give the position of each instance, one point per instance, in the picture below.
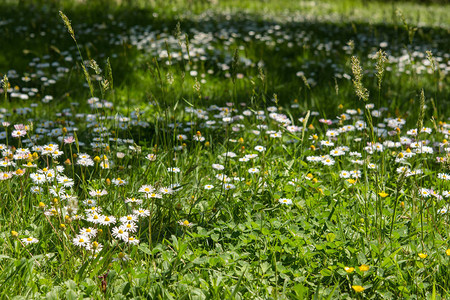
{"points": [[358, 288], [349, 270], [364, 268]]}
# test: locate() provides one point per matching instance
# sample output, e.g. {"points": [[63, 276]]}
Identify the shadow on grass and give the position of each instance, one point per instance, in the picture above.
{"points": [[317, 49]]}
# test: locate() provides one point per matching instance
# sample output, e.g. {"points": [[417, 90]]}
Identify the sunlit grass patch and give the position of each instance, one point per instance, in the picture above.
{"points": [[223, 152]]}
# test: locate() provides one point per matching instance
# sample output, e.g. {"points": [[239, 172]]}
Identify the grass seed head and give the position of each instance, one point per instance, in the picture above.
{"points": [[361, 91], [67, 24]]}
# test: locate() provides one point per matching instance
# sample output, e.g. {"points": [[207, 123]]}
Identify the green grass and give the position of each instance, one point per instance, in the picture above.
{"points": [[384, 231]]}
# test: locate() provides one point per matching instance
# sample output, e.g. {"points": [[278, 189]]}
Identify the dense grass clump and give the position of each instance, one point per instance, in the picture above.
{"points": [[251, 149]]}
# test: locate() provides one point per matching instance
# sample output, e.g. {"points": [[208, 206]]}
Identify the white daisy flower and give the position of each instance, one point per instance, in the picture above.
{"points": [[119, 233], [80, 240], [132, 241], [285, 201], [107, 220], [141, 212], [29, 240], [253, 170], [129, 227], [128, 219], [88, 232]]}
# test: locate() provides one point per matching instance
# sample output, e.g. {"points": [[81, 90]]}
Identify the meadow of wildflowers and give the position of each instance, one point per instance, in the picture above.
{"points": [[216, 150]]}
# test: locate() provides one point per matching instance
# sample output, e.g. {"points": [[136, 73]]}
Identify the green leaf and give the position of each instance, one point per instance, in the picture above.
{"points": [[236, 288], [326, 272], [361, 258], [214, 261], [330, 237], [202, 232], [215, 237], [71, 295], [144, 248], [265, 266], [265, 231], [330, 296], [125, 288], [71, 284], [52, 295]]}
